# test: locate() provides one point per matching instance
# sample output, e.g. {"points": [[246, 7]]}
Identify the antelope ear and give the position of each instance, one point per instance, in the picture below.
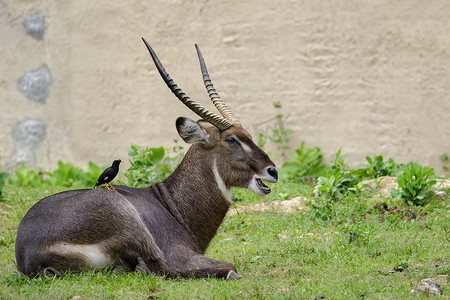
{"points": [[191, 132]]}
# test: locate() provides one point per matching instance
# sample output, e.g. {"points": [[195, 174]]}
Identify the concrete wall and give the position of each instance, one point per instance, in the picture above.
{"points": [[370, 77]]}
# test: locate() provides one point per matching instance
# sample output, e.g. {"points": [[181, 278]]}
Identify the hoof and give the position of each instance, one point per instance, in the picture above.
{"points": [[49, 273], [141, 267], [233, 275]]}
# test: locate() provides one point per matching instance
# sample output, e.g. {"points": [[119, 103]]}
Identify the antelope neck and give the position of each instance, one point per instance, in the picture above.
{"points": [[197, 196]]}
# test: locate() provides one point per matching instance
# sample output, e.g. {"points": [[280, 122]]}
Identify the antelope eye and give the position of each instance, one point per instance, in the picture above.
{"points": [[230, 140]]}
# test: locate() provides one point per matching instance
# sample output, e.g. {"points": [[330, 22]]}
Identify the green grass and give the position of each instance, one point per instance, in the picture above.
{"points": [[281, 255]]}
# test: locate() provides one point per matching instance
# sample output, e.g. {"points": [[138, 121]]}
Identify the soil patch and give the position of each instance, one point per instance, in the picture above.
{"points": [[291, 205]]}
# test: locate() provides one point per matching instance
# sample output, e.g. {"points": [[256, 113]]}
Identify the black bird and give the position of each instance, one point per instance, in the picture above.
{"points": [[108, 175]]}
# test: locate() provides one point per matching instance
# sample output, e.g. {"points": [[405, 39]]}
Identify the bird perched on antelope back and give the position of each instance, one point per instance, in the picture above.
{"points": [[108, 175]]}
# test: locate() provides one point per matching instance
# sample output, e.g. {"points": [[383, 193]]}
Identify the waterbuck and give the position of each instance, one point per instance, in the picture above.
{"points": [[162, 229]]}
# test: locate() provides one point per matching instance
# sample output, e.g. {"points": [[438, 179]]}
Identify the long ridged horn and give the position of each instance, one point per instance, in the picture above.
{"points": [[218, 121], [220, 105]]}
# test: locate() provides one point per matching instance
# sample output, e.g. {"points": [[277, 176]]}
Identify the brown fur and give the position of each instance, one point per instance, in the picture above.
{"points": [[163, 229]]}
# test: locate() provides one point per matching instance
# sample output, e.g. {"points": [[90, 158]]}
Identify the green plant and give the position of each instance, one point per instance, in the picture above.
{"points": [[444, 158], [261, 140], [91, 175], [358, 232], [415, 183], [150, 165], [339, 181], [275, 132], [375, 167], [3, 177], [401, 266], [281, 136], [25, 177], [321, 209], [68, 175], [305, 163]]}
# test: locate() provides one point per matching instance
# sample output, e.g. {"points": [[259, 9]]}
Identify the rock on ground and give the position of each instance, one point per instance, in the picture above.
{"points": [[428, 287]]}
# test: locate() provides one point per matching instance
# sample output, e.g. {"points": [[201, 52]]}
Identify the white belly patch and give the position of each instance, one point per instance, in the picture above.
{"points": [[92, 254]]}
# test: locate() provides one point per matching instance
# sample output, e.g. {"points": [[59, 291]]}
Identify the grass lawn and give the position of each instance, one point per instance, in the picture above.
{"points": [[362, 253]]}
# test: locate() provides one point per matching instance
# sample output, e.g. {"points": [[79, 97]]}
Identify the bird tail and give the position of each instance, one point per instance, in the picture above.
{"points": [[95, 186]]}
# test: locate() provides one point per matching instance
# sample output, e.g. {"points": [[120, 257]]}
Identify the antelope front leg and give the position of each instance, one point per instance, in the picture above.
{"points": [[215, 268], [199, 266]]}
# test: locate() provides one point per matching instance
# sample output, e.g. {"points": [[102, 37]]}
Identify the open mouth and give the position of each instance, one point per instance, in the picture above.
{"points": [[264, 188]]}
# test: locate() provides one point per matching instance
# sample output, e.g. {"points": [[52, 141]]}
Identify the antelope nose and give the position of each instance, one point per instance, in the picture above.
{"points": [[273, 172]]}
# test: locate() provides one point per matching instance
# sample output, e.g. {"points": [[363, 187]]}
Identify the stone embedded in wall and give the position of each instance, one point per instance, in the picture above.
{"points": [[35, 84], [28, 134], [35, 26]]}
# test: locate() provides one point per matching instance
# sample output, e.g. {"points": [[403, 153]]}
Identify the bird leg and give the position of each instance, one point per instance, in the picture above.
{"points": [[111, 188], [107, 187]]}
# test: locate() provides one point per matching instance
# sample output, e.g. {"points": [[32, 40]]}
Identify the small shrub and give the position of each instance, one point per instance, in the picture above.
{"points": [[274, 131], [340, 181], [305, 163], [66, 175], [25, 177], [375, 167], [415, 183], [322, 209], [150, 165]]}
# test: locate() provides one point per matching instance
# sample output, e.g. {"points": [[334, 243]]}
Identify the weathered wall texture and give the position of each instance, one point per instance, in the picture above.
{"points": [[370, 77]]}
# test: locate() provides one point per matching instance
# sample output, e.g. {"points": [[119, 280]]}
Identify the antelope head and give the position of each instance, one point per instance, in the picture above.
{"points": [[236, 160]]}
